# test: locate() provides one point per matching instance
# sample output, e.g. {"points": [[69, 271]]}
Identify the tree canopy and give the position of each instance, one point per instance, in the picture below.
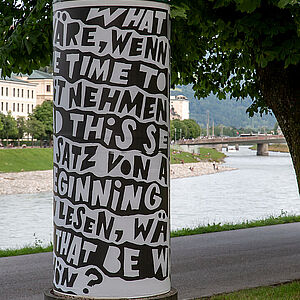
{"points": [[21, 128], [241, 48], [26, 33], [35, 128], [9, 126], [44, 114], [221, 45]]}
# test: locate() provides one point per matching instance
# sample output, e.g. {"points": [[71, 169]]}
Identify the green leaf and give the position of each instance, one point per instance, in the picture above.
{"points": [[247, 5], [284, 3], [264, 63], [178, 12], [28, 46]]}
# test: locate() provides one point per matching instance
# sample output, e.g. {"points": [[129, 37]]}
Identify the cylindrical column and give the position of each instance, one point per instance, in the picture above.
{"points": [[262, 149], [111, 148]]}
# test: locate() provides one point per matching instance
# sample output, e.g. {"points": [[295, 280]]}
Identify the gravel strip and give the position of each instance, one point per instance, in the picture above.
{"points": [[25, 182], [41, 181]]}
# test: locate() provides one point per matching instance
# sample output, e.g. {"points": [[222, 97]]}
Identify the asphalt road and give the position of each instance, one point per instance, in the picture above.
{"points": [[201, 265]]}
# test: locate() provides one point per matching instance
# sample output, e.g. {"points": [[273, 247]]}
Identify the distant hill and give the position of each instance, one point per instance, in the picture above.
{"points": [[227, 112]]}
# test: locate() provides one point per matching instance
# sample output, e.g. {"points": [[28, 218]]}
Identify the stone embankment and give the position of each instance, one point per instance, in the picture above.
{"points": [[41, 181], [197, 169]]}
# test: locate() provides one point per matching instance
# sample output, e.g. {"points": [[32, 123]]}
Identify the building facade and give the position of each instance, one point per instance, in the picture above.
{"points": [[44, 85], [179, 107], [19, 94]]}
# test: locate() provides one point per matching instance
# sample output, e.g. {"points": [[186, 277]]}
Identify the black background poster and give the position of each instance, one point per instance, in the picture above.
{"points": [[111, 148]]}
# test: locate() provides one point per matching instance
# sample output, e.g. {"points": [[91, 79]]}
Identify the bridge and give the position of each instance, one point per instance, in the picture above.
{"points": [[262, 142]]}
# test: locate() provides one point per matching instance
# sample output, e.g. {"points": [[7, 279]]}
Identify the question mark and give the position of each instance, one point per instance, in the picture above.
{"points": [[93, 282]]}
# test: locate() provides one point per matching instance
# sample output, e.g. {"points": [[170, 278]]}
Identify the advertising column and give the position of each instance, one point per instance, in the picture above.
{"points": [[111, 149]]}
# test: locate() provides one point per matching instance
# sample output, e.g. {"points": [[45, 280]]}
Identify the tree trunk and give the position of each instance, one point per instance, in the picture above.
{"points": [[280, 89]]}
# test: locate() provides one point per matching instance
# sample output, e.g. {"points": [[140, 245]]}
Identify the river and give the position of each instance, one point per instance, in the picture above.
{"points": [[260, 187]]}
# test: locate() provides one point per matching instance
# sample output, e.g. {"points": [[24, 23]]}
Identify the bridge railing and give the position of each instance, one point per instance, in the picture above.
{"points": [[253, 138]]}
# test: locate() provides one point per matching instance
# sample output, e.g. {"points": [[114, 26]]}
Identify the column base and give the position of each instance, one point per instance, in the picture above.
{"points": [[172, 295]]}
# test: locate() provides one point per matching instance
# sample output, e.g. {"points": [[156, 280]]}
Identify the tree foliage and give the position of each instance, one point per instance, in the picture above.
{"points": [[218, 45], [44, 114], [1, 125], [25, 35], [21, 126], [35, 128], [187, 129], [38, 125], [193, 129], [9, 128]]}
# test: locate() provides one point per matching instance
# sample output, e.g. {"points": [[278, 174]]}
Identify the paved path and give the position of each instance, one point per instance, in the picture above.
{"points": [[201, 265], [225, 261]]}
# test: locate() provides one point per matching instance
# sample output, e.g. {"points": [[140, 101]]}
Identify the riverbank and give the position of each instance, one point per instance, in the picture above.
{"points": [[26, 182], [284, 218], [197, 169], [42, 181], [27, 171], [275, 148]]}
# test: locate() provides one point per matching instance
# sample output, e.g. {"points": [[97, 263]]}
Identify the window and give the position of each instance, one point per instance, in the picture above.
{"points": [[18, 107], [18, 93], [7, 91], [14, 92], [6, 106], [28, 108], [22, 94], [22, 107], [31, 94], [14, 106], [48, 88], [28, 94], [32, 107], [2, 106], [2, 91]]}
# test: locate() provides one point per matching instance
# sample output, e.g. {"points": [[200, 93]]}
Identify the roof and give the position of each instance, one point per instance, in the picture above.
{"points": [[14, 79], [178, 98], [36, 74]]}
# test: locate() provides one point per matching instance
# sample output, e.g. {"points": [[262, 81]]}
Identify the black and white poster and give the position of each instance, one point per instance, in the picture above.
{"points": [[111, 148]]}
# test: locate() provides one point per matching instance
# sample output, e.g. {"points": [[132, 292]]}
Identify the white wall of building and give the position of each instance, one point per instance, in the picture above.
{"points": [[17, 96], [181, 106]]}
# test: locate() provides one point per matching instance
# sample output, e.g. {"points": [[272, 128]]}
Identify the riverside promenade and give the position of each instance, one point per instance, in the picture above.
{"points": [[202, 265]]}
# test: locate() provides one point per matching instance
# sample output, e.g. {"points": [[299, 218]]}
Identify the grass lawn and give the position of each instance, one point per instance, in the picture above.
{"points": [[282, 219], [26, 250], [206, 154], [28, 159], [34, 159], [287, 291]]}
